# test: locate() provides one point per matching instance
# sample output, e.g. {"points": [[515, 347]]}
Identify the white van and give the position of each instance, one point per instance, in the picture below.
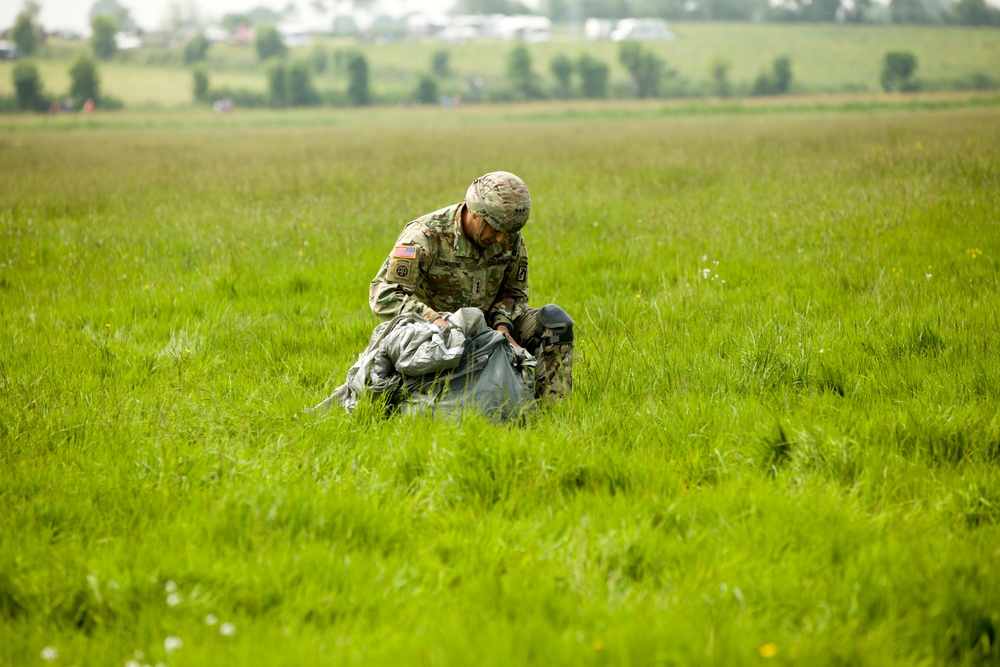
{"points": [[641, 29]]}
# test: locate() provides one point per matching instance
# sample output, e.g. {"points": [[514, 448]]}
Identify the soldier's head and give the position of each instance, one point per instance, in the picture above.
{"points": [[501, 199]]}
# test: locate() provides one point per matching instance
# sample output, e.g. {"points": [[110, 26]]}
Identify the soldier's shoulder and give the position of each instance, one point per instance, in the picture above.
{"points": [[443, 218], [435, 225]]}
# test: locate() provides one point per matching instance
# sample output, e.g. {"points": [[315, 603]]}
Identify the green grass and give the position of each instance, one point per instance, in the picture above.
{"points": [[783, 433], [825, 58]]}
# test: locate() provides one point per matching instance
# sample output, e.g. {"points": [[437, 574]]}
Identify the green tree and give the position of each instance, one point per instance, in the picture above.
{"points": [[358, 93], [441, 63], [28, 87], [593, 76], [102, 40], [301, 92], [782, 67], [319, 59], [898, 68], [719, 69], [520, 73], [277, 82], [114, 9], [491, 7], [24, 34], [268, 43], [85, 81], [200, 82], [196, 49], [644, 66], [562, 69], [976, 12], [427, 91], [908, 11], [777, 80]]}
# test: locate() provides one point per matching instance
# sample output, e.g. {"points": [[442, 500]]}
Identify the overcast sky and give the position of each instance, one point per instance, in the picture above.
{"points": [[153, 14]]}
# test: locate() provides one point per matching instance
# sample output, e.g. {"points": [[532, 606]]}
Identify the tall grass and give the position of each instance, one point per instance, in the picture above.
{"points": [[783, 441]]}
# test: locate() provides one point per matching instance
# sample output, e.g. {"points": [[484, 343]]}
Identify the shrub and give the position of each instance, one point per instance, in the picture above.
{"points": [[200, 82], [520, 73], [277, 82], [268, 43], [102, 40], [441, 63], [562, 69], [427, 90], [319, 59], [28, 87], [196, 49], [777, 81], [358, 93], [645, 68], [593, 76], [301, 92], [85, 81], [897, 71], [719, 69]]}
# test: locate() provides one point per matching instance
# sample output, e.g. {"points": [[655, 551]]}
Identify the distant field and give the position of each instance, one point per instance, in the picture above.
{"points": [[782, 447], [826, 58]]}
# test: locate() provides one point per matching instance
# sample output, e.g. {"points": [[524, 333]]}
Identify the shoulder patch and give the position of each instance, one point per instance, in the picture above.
{"points": [[404, 252]]}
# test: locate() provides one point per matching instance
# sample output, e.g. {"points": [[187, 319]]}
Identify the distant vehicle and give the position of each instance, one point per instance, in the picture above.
{"points": [[294, 35], [8, 51], [598, 30], [127, 41], [641, 30]]}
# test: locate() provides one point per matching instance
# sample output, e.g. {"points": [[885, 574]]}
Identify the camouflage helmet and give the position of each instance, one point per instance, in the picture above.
{"points": [[501, 199]]}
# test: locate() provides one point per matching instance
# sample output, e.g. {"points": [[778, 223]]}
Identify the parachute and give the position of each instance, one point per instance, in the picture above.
{"points": [[423, 367]]}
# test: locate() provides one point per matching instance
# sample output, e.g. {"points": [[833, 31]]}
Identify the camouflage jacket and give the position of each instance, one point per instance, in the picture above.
{"points": [[434, 268]]}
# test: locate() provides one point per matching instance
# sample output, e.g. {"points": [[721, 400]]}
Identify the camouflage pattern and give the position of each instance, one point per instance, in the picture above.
{"points": [[434, 268], [554, 370], [501, 199]]}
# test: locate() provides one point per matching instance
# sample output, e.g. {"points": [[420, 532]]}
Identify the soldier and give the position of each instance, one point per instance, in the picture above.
{"points": [[472, 254]]}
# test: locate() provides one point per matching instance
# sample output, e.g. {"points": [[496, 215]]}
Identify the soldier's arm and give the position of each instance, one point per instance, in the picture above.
{"points": [[391, 291], [512, 299]]}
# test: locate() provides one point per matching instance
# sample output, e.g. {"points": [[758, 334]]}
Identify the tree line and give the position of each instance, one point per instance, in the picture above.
{"points": [[963, 12]]}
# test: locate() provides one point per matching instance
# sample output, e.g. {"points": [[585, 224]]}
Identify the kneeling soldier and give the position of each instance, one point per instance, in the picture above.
{"points": [[472, 254]]}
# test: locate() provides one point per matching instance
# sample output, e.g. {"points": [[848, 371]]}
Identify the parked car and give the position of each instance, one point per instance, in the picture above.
{"points": [[641, 29]]}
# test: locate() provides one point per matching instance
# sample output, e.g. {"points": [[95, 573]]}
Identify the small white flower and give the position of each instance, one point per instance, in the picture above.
{"points": [[170, 587], [132, 663], [723, 281], [928, 276], [50, 653], [171, 644], [227, 629], [822, 351], [705, 273], [211, 619], [704, 258], [174, 599]]}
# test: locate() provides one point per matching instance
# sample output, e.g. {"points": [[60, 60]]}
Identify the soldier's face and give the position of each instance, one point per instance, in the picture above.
{"points": [[484, 235]]}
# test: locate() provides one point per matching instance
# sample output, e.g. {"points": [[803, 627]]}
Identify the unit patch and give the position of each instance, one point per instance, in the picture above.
{"points": [[403, 271]]}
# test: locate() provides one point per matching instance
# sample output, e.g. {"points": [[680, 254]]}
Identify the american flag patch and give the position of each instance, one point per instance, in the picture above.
{"points": [[404, 252]]}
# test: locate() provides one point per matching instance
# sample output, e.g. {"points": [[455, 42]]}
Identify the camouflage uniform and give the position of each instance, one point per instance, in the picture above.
{"points": [[434, 268]]}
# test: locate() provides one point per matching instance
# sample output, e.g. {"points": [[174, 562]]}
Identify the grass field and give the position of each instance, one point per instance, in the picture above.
{"points": [[825, 58], [782, 447]]}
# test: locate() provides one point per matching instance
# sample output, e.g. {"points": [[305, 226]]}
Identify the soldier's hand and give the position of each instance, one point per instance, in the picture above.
{"points": [[503, 329], [441, 322]]}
